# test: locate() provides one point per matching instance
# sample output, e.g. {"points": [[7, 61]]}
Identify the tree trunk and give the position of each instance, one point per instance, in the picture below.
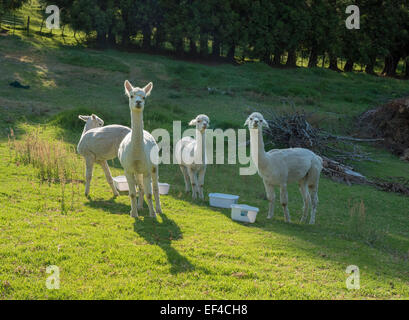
{"points": [[291, 59], [313, 59], [369, 68], [333, 63], [349, 66], [146, 43], [125, 38], [204, 46], [192, 47], [391, 62], [101, 38], [267, 58], [277, 58], [179, 47], [230, 53], [407, 68], [111, 38], [216, 47], [159, 39]]}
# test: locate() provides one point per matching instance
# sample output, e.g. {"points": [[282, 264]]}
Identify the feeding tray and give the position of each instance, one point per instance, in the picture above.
{"points": [[121, 185], [222, 200], [243, 213]]}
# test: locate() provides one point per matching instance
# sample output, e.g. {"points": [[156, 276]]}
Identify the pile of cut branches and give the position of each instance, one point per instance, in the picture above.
{"points": [[293, 130]]}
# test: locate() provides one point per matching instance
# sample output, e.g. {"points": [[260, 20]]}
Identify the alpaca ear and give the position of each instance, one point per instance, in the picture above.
{"points": [[128, 87], [192, 122], [265, 123], [83, 118], [247, 122], [148, 88], [93, 116]]}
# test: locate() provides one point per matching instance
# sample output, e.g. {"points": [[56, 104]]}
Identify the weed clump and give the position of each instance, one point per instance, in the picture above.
{"points": [[53, 159]]}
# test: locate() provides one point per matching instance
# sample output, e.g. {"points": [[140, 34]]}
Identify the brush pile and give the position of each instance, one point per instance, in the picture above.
{"points": [[390, 122], [293, 130]]}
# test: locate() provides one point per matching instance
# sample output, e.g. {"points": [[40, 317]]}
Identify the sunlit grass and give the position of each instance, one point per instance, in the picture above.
{"points": [[193, 251]]}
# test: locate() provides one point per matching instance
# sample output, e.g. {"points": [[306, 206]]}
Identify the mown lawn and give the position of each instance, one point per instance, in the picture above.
{"points": [[192, 251]]}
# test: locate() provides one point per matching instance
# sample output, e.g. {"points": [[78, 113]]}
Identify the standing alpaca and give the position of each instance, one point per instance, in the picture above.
{"points": [[136, 152], [194, 150], [279, 167], [99, 144]]}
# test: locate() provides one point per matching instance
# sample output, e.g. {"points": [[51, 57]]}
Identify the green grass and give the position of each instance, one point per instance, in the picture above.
{"points": [[192, 251]]}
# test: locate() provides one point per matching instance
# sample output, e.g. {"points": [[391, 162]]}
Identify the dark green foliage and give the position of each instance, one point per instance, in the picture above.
{"points": [[275, 32], [69, 119]]}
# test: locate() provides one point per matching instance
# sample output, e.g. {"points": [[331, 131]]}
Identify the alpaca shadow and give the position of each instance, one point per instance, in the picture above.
{"points": [[109, 205], [152, 230], [162, 234]]}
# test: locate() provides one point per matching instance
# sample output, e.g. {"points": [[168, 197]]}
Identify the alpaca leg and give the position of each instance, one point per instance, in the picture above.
{"points": [[147, 179], [89, 166], [270, 193], [200, 181], [284, 202], [155, 185], [314, 201], [193, 181], [186, 177], [139, 181], [108, 176], [130, 178], [306, 199]]}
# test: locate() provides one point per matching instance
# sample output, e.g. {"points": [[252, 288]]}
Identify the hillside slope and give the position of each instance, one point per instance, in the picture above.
{"points": [[192, 251]]}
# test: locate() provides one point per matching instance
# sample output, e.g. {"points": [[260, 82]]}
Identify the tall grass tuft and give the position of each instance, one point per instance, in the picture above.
{"points": [[358, 227], [55, 161]]}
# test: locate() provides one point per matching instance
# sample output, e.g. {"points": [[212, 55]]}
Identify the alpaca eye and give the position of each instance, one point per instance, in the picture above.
{"points": [[251, 118]]}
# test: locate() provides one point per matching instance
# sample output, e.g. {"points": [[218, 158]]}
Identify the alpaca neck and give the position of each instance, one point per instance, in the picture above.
{"points": [[86, 128], [201, 147], [137, 132], [257, 148]]}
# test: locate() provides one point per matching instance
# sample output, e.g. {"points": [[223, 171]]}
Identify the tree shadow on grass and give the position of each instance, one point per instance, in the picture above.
{"points": [[161, 231]]}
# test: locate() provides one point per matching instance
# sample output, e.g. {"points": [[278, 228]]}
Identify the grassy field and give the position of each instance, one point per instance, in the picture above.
{"points": [[192, 251]]}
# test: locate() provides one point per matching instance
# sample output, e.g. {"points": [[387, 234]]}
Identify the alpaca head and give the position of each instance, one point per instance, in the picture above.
{"points": [[137, 95], [201, 122], [255, 121], [92, 121]]}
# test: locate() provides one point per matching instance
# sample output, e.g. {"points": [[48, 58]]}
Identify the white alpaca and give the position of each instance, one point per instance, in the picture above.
{"points": [[99, 144], [135, 153], [279, 167], [191, 156]]}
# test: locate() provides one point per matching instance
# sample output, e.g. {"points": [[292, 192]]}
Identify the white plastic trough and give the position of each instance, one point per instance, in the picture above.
{"points": [[122, 185], [222, 200], [243, 213]]}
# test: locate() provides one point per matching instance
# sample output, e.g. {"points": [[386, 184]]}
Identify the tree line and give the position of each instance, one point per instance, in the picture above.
{"points": [[277, 32]]}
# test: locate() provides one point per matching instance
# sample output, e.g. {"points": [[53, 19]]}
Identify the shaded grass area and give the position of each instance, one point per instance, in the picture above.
{"points": [[192, 251]]}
